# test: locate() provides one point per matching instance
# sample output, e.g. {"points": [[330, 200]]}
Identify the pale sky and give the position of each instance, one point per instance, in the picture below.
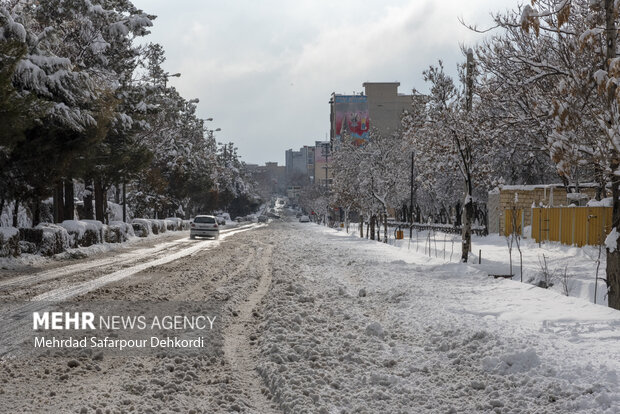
{"points": [[265, 70]]}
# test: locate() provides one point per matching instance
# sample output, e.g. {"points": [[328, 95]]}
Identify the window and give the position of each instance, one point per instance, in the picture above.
{"points": [[210, 220]]}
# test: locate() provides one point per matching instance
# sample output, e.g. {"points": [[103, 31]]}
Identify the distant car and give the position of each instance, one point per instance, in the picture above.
{"points": [[304, 219], [221, 220], [263, 219], [205, 226]]}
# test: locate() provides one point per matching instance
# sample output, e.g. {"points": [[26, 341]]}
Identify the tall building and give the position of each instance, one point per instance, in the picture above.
{"points": [[300, 165], [380, 106], [386, 105], [323, 174]]}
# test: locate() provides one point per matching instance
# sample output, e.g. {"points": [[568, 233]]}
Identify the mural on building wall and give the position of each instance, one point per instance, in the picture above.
{"points": [[351, 114]]}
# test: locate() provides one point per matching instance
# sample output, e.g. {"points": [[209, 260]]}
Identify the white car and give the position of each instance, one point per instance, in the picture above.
{"points": [[205, 226], [304, 219]]}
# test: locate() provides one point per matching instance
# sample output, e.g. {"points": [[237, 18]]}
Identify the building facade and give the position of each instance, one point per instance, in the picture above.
{"points": [[323, 174], [300, 165], [379, 107]]}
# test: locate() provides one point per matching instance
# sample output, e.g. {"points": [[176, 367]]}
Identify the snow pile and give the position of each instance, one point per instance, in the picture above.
{"points": [[606, 202]]}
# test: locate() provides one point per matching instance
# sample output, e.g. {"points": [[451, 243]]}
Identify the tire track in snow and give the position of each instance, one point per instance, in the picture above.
{"points": [[237, 349], [11, 322]]}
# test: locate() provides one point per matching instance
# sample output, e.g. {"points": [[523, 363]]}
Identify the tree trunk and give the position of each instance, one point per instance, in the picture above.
{"points": [[88, 200], [124, 203], [15, 213], [36, 211], [468, 213], [106, 216], [69, 205], [361, 226], [373, 218], [613, 258], [98, 200], [59, 202], [385, 228]]}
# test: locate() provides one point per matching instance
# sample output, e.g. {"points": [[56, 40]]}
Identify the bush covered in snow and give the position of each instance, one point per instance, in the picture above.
{"points": [[174, 223], [84, 233], [54, 239], [141, 227], [9, 241], [49, 239], [158, 226], [118, 232]]}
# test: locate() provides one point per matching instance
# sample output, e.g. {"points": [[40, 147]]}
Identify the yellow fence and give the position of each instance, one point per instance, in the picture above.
{"points": [[569, 225]]}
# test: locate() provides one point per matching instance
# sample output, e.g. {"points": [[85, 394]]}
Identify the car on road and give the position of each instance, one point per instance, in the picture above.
{"points": [[263, 219], [304, 219], [204, 226]]}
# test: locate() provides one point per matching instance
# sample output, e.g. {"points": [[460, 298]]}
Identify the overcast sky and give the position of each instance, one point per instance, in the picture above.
{"points": [[264, 70]]}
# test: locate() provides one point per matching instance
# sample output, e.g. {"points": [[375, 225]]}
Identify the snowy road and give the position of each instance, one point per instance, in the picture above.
{"points": [[313, 320]]}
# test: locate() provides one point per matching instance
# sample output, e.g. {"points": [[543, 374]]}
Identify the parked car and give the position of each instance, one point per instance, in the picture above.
{"points": [[304, 219], [204, 226], [263, 219]]}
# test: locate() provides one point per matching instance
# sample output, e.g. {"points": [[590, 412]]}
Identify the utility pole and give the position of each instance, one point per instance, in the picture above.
{"points": [[124, 202], [411, 195], [411, 199], [326, 154]]}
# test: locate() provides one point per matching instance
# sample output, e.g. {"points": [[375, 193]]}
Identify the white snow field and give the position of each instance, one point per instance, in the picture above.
{"points": [[352, 325], [579, 262]]}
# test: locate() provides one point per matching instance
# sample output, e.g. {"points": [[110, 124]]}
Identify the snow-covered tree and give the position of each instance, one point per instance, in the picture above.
{"points": [[561, 62], [449, 135]]}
